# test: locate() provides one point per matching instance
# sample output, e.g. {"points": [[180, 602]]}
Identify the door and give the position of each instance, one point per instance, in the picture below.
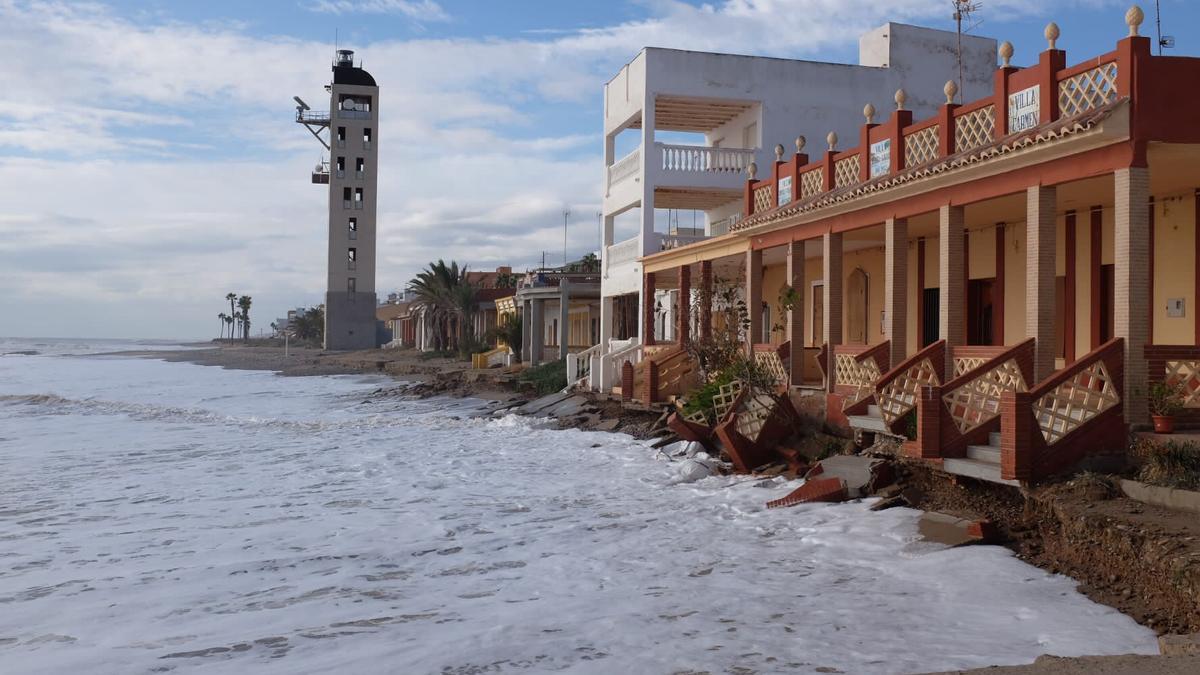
{"points": [[980, 311], [1106, 303], [929, 321], [856, 307]]}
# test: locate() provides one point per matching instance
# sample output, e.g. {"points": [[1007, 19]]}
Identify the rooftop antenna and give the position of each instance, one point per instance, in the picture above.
{"points": [[1167, 41], [962, 11]]}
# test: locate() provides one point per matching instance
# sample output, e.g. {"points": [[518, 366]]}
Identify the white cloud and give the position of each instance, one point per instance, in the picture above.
{"points": [[419, 10], [161, 168]]}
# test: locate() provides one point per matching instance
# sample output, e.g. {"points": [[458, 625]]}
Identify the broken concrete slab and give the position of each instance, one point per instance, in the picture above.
{"points": [[861, 475], [539, 404], [943, 528], [1179, 645], [813, 490]]}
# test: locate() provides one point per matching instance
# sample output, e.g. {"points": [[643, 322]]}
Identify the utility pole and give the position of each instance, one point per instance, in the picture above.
{"points": [[566, 215], [962, 10]]}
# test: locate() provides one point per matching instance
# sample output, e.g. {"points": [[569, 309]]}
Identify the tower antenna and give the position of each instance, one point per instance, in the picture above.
{"points": [[962, 11], [1166, 41], [566, 215]]}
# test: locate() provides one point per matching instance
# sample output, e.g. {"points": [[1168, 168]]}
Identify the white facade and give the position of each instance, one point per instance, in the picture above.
{"points": [[743, 106]]}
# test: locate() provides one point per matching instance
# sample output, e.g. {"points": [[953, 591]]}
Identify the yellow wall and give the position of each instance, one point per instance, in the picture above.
{"points": [[774, 277], [1174, 269]]}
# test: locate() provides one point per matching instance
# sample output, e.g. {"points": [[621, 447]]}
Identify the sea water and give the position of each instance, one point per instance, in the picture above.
{"points": [[168, 517]]}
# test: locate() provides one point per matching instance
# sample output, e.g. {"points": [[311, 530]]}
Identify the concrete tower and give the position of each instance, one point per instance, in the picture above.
{"points": [[350, 133]]}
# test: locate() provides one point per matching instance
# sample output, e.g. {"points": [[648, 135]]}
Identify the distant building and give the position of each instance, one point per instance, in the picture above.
{"points": [[351, 136]]}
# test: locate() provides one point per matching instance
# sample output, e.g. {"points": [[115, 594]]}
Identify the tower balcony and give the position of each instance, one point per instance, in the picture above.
{"points": [[319, 118]]}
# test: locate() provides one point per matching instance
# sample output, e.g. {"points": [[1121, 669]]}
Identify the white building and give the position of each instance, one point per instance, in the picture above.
{"points": [[726, 111]]}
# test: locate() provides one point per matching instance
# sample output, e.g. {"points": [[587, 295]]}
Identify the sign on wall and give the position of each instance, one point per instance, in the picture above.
{"points": [[881, 158], [1024, 109], [785, 190]]}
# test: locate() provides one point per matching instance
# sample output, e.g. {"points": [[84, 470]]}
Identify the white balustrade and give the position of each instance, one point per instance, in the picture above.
{"points": [[699, 158], [624, 168]]}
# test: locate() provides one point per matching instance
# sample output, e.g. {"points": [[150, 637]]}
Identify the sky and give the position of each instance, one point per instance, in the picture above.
{"points": [[150, 164]]}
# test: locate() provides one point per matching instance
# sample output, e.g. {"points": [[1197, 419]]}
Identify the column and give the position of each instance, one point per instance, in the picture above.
{"points": [[1040, 253], [564, 319], [795, 315], [895, 287], [831, 250], [952, 326], [648, 309], [527, 331], [683, 330], [754, 297], [706, 299], [537, 331], [1131, 283]]}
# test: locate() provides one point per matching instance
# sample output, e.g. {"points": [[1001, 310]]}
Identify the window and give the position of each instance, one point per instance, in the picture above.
{"points": [[341, 137], [352, 229], [359, 166], [345, 198], [350, 288], [351, 258], [358, 198], [354, 106], [367, 138], [341, 167]]}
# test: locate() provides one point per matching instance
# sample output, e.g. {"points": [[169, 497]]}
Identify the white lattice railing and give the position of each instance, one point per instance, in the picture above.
{"points": [[978, 401], [1087, 90], [846, 171], [764, 198], [770, 361], [975, 128], [899, 397], [627, 166], [921, 146], [699, 158], [811, 183], [579, 365], [1186, 374], [859, 376], [1075, 401]]}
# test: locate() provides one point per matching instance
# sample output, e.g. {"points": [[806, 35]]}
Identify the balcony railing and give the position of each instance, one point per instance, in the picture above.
{"points": [[353, 114], [623, 252], [624, 168], [319, 117], [704, 159]]}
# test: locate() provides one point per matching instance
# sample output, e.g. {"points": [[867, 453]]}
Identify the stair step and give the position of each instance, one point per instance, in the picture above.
{"points": [[973, 468], [868, 423], [874, 411], [994, 438], [984, 453]]}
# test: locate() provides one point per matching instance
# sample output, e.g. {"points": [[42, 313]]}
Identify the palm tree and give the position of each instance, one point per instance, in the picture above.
{"points": [[590, 263], [232, 298], [244, 304], [229, 320], [446, 296], [221, 316]]}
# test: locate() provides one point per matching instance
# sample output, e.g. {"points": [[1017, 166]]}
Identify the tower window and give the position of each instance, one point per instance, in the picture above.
{"points": [[346, 198], [352, 229], [359, 166], [358, 198], [350, 288], [341, 167], [351, 258], [367, 138], [341, 137]]}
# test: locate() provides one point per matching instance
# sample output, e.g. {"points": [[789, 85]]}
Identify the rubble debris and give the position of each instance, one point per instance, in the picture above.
{"points": [[813, 490]]}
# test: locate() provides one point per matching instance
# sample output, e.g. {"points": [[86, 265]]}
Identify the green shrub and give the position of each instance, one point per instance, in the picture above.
{"points": [[701, 400], [910, 425], [546, 378]]}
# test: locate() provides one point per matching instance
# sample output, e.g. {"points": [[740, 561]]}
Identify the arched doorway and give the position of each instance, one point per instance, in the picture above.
{"points": [[857, 286]]}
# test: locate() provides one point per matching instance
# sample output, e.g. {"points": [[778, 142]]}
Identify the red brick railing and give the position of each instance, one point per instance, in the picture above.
{"points": [[665, 373], [967, 408], [855, 369], [898, 390], [1074, 412]]}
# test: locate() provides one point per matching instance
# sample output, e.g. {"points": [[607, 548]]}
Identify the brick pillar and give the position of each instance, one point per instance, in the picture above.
{"points": [[831, 253], [648, 309], [895, 287], [683, 329], [795, 317], [1131, 283], [706, 295], [1040, 253], [952, 309], [754, 297]]}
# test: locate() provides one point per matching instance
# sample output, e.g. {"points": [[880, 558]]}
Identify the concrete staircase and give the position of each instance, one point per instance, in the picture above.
{"points": [[871, 422], [982, 462]]}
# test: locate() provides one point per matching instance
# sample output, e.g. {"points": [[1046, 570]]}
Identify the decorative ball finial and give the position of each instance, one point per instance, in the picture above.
{"points": [[832, 140], [1006, 53], [951, 89], [800, 141], [900, 97], [752, 170], [779, 152], [869, 113], [1133, 19], [1052, 34]]}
